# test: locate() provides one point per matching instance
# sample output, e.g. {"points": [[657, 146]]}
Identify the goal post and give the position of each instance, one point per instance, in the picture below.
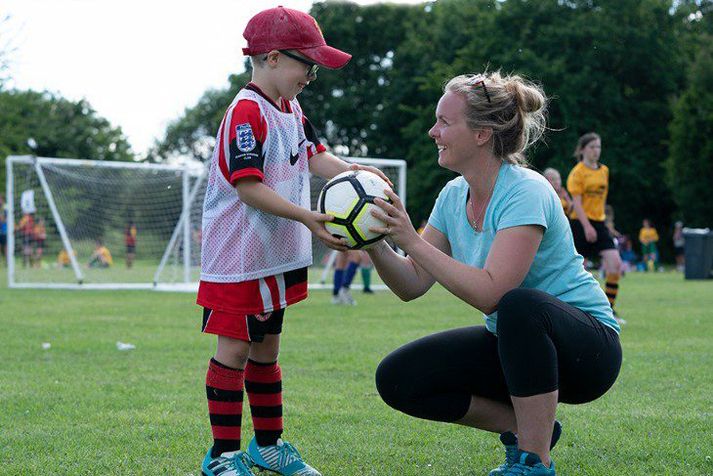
{"points": [[63, 214]]}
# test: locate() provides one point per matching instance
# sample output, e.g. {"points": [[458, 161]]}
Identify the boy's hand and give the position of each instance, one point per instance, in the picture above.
{"points": [[315, 222], [374, 170]]}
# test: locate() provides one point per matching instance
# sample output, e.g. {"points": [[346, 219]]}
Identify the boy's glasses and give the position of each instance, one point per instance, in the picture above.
{"points": [[312, 68]]}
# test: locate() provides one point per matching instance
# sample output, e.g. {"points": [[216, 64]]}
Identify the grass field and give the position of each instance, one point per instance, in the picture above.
{"points": [[82, 407]]}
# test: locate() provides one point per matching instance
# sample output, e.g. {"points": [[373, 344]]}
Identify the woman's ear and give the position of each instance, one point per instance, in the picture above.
{"points": [[482, 136]]}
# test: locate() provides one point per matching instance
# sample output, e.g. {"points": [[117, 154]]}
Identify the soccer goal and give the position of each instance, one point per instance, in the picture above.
{"points": [[87, 224]]}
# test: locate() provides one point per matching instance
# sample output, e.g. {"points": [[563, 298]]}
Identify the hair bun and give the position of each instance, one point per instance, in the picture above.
{"points": [[529, 98]]}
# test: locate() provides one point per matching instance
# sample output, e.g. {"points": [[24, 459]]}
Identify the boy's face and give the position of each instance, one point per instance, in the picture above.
{"points": [[291, 75]]}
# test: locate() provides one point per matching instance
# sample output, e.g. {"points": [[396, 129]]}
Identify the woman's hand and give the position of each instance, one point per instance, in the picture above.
{"points": [[374, 170], [315, 222], [398, 224]]}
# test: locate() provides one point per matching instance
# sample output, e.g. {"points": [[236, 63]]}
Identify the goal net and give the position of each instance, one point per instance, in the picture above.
{"points": [[98, 224]]}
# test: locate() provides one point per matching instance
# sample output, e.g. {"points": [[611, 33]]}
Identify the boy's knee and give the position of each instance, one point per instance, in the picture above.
{"points": [[266, 351], [232, 352]]}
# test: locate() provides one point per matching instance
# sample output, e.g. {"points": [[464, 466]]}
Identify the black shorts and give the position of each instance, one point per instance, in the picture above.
{"points": [[131, 248], [3, 240], [678, 251], [587, 249], [245, 327]]}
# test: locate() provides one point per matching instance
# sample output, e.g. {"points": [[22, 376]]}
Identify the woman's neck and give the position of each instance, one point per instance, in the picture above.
{"points": [[482, 179]]}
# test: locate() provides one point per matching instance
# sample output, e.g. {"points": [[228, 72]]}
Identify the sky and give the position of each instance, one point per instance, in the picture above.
{"points": [[139, 63]]}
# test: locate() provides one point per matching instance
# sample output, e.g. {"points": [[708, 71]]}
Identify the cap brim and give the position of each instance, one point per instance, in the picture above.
{"points": [[327, 56]]}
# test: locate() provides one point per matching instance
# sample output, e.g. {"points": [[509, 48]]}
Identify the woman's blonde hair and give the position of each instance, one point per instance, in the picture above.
{"points": [[513, 107]]}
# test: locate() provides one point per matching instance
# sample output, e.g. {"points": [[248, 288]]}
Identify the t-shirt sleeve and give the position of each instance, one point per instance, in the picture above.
{"points": [[314, 146], [575, 183], [438, 215], [246, 135], [529, 204]]}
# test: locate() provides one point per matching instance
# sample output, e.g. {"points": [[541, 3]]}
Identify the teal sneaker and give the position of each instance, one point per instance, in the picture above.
{"points": [[234, 463], [529, 464], [509, 440], [282, 458]]}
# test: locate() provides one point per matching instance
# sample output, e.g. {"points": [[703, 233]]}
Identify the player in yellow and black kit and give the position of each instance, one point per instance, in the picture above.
{"points": [[588, 184]]}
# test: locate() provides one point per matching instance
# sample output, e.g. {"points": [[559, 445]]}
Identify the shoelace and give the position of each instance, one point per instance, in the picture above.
{"points": [[241, 461], [290, 451]]}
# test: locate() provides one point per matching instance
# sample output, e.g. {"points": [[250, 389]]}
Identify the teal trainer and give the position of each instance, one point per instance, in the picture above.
{"points": [[509, 440], [529, 464], [282, 458], [234, 463]]}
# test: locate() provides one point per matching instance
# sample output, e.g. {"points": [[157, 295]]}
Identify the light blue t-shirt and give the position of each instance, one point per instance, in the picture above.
{"points": [[523, 197]]}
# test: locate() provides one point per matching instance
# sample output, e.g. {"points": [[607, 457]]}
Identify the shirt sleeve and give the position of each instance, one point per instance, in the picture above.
{"points": [[437, 219], [246, 135], [529, 204], [314, 146], [575, 185]]}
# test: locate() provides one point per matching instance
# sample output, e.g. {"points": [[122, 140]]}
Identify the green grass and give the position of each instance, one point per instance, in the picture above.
{"points": [[82, 407]]}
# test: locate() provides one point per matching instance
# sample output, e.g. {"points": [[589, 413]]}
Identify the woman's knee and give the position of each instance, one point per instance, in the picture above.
{"points": [[516, 308], [392, 380]]}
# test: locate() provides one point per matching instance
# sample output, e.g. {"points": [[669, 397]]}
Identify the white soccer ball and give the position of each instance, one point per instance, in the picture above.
{"points": [[349, 198]]}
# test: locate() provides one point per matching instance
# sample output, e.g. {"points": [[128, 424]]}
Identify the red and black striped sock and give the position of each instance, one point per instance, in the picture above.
{"points": [[263, 384], [224, 389]]}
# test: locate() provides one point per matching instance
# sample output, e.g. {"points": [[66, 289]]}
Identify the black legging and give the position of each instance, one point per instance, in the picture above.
{"points": [[543, 344]]}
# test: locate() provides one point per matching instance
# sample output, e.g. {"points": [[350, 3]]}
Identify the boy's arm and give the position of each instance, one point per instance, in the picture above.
{"points": [[254, 193], [327, 165]]}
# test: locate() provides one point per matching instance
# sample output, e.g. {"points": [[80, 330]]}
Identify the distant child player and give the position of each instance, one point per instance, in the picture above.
{"points": [[256, 243], [648, 237]]}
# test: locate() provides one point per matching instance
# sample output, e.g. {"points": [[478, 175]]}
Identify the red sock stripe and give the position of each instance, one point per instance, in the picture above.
{"points": [[265, 399], [271, 424], [223, 378], [225, 408], [263, 373], [226, 432]]}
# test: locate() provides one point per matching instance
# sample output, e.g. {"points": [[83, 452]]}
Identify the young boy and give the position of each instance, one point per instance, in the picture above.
{"points": [[256, 243]]}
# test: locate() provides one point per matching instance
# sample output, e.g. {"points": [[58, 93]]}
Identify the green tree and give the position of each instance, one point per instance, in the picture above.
{"points": [[60, 128], [193, 133], [609, 65], [689, 163]]}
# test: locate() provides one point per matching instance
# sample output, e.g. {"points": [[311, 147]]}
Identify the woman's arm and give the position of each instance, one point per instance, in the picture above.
{"points": [[406, 278], [506, 266]]}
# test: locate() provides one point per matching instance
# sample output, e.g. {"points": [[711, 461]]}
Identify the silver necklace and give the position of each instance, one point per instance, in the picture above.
{"points": [[479, 216]]}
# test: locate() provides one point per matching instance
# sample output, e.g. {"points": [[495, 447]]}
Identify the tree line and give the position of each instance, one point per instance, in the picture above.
{"points": [[638, 72]]}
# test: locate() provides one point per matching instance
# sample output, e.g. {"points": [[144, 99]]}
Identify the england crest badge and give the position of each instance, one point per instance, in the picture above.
{"points": [[244, 137]]}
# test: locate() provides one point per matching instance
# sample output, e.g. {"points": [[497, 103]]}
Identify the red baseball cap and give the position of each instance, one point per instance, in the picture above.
{"points": [[286, 29]]}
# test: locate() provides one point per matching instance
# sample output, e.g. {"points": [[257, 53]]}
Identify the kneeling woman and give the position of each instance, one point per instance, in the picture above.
{"points": [[497, 238]]}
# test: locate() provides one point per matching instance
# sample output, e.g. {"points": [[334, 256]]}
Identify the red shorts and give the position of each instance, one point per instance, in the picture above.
{"points": [[247, 327], [258, 296], [250, 309]]}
